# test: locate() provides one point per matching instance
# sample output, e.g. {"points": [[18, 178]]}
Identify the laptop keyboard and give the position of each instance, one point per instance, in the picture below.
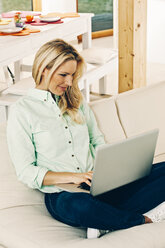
{"points": [[84, 186]]}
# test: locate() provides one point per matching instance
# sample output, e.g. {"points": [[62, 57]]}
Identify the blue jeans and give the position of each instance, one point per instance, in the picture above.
{"points": [[118, 209]]}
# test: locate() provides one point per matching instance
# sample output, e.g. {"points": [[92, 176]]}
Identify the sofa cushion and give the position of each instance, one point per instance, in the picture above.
{"points": [[106, 115], [32, 226], [159, 158], [141, 110]]}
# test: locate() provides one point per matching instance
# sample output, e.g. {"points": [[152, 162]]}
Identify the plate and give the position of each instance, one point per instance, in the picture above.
{"points": [[29, 21], [4, 22], [49, 19], [10, 30]]}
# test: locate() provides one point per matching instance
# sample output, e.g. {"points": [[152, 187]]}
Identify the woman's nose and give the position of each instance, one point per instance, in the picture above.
{"points": [[68, 81]]}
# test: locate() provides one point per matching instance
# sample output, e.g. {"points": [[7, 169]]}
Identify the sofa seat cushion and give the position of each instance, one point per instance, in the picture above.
{"points": [[106, 115], [32, 226], [142, 110]]}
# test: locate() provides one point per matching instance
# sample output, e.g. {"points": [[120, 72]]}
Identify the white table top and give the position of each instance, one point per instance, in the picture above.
{"points": [[14, 48]]}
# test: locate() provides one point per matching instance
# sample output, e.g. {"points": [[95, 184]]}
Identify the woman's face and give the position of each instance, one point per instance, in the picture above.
{"points": [[61, 78]]}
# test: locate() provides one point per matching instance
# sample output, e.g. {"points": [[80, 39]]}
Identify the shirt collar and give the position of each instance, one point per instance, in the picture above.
{"points": [[42, 95]]}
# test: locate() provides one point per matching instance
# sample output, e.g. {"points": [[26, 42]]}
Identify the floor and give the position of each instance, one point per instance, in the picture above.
{"points": [[155, 72]]}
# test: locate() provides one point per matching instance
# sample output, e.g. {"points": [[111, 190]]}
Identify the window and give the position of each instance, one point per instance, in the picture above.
{"points": [[9, 5], [103, 11]]}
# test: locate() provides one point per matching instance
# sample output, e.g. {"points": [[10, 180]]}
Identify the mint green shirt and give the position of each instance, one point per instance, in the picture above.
{"points": [[40, 139]]}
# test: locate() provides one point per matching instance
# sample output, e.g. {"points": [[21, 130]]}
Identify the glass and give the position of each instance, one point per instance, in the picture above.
{"points": [[103, 11]]}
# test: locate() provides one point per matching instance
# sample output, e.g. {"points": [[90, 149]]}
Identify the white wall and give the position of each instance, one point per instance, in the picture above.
{"points": [[156, 31], [58, 6]]}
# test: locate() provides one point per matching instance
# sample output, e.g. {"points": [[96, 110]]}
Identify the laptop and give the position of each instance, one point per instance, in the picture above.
{"points": [[120, 163]]}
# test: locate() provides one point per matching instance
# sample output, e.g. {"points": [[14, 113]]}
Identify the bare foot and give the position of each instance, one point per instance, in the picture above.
{"points": [[147, 220]]}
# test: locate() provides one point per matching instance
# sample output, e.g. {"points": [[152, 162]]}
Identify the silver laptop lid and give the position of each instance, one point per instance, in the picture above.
{"points": [[123, 162]]}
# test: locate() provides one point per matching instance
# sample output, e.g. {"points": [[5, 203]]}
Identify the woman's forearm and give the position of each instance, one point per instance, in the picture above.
{"points": [[52, 178]]}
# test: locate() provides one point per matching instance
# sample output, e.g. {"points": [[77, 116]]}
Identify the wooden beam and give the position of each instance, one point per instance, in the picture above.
{"points": [[99, 34], [132, 19], [77, 6], [37, 5]]}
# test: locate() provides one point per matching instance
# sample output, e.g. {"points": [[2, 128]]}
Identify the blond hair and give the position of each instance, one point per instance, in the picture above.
{"points": [[52, 55]]}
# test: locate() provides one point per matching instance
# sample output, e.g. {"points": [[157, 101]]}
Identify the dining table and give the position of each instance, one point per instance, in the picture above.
{"points": [[13, 49]]}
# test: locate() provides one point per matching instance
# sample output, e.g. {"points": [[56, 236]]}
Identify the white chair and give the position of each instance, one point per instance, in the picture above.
{"points": [[21, 87], [6, 100], [104, 61], [13, 91], [100, 63]]}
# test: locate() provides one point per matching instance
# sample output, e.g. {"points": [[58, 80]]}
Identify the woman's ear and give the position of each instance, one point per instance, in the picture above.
{"points": [[45, 72]]}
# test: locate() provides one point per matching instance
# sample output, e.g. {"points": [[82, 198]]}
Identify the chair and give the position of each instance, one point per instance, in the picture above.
{"points": [[100, 63], [14, 92], [21, 87], [6, 100], [104, 60]]}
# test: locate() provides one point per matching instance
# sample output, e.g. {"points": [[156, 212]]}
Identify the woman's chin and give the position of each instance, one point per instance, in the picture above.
{"points": [[58, 93]]}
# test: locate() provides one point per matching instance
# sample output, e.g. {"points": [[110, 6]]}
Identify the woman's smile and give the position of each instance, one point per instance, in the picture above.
{"points": [[63, 88]]}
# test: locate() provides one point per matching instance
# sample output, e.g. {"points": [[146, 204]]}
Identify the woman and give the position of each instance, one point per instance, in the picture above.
{"points": [[52, 138]]}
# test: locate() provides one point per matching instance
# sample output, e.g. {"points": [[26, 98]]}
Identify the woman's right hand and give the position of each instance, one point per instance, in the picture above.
{"points": [[54, 178], [79, 178]]}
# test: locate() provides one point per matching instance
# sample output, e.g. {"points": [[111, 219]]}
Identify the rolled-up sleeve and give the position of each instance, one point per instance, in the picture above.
{"points": [[96, 137], [22, 149]]}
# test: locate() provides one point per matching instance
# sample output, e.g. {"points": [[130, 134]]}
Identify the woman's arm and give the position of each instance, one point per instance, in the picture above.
{"points": [[21, 148], [96, 137], [53, 178]]}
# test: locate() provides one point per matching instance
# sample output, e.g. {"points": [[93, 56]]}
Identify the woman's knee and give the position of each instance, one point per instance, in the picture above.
{"points": [[74, 207], [72, 202]]}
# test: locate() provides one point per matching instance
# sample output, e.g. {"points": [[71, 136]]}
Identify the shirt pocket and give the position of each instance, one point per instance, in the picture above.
{"points": [[47, 137]]}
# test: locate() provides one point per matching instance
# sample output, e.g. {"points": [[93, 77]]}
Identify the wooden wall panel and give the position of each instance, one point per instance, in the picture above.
{"points": [[132, 18], [37, 5]]}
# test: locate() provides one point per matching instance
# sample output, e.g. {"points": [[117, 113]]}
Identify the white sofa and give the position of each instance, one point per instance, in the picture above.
{"points": [[24, 220]]}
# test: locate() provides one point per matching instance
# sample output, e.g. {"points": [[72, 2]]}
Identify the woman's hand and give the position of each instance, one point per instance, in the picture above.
{"points": [[53, 178], [79, 178]]}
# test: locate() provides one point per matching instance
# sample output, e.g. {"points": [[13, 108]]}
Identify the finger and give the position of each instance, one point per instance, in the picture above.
{"points": [[91, 172], [88, 176], [88, 182]]}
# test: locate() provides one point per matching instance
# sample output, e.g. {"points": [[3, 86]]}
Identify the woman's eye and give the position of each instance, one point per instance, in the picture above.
{"points": [[63, 75]]}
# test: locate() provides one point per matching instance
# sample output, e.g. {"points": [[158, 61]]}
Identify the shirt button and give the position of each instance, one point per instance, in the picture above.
{"points": [[78, 168], [72, 155], [45, 100], [70, 142], [53, 102], [59, 115], [66, 127]]}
